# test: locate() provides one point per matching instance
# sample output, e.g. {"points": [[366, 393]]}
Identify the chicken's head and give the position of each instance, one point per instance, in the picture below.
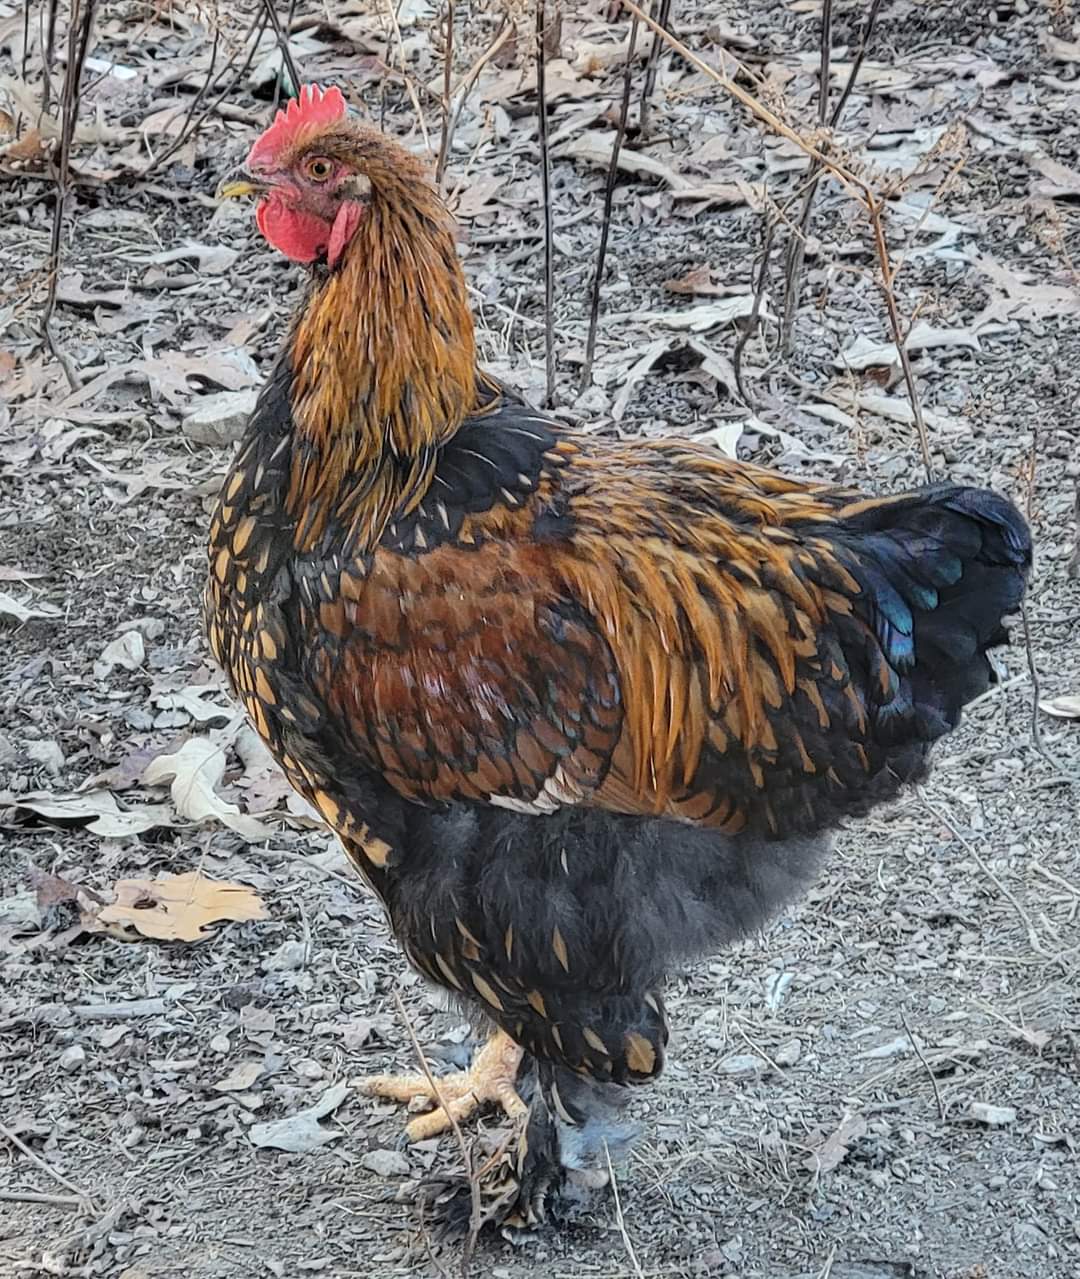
{"points": [[315, 171]]}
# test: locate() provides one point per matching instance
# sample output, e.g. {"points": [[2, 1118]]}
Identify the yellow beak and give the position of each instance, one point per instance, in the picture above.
{"points": [[235, 188]]}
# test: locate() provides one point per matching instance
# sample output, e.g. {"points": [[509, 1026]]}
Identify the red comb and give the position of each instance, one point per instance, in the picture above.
{"points": [[314, 106]]}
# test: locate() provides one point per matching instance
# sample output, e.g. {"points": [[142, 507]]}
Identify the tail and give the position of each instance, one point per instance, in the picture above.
{"points": [[940, 569]]}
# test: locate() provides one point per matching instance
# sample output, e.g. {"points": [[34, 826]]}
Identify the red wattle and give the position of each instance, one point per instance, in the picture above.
{"points": [[303, 237]]}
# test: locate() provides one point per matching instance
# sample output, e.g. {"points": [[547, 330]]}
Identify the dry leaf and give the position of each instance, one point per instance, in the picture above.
{"points": [[637, 371], [128, 651], [831, 1151], [12, 608], [476, 196], [179, 907], [98, 810], [300, 1133], [699, 281], [725, 437], [866, 353], [1060, 182], [594, 146], [1067, 707], [195, 771], [240, 1078], [709, 315], [1024, 301]]}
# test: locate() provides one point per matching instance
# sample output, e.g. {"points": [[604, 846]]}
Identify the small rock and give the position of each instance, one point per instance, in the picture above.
{"points": [[288, 956], [788, 1053], [385, 1163], [220, 419], [73, 1058], [742, 1064], [996, 1116]]}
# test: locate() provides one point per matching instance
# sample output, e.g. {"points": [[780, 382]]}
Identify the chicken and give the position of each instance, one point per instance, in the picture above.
{"points": [[578, 708]]}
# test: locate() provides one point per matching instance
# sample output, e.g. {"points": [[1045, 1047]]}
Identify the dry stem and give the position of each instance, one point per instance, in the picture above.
{"points": [[609, 198], [466, 1157], [545, 179], [858, 187]]}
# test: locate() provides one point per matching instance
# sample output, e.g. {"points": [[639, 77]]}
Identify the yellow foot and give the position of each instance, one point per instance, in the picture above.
{"points": [[490, 1078]]}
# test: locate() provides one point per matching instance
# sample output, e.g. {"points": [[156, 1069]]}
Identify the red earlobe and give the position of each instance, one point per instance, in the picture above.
{"points": [[345, 224]]}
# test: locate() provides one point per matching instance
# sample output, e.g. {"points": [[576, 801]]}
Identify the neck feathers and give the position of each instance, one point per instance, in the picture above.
{"points": [[384, 368]]}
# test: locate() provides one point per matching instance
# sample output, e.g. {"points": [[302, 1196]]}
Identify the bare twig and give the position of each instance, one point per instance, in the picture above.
{"points": [[1036, 697], [466, 1157], [609, 199], [30, 1197], [79, 31], [283, 45], [1073, 568], [257, 26], [410, 88], [755, 311], [664, 19], [448, 75], [1034, 940], [48, 52], [460, 94], [620, 1220], [796, 248], [83, 1198], [926, 1067], [545, 179], [856, 186], [888, 276]]}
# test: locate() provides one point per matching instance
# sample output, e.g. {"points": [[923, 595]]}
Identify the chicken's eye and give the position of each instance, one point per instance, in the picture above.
{"points": [[319, 169]]}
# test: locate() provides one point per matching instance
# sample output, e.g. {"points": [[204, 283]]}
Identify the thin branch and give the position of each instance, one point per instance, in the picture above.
{"points": [[79, 32], [796, 247], [48, 54], [258, 26], [888, 275], [31, 1197], [460, 94], [609, 199], [771, 224], [868, 198], [664, 19], [283, 45], [545, 178], [406, 79], [620, 1220], [448, 72], [926, 1067], [1036, 697], [466, 1157], [19, 1144]]}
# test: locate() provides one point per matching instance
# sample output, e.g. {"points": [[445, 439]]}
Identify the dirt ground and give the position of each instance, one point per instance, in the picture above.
{"points": [[886, 1083]]}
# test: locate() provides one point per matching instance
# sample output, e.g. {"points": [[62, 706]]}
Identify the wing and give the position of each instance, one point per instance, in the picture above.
{"points": [[655, 630]]}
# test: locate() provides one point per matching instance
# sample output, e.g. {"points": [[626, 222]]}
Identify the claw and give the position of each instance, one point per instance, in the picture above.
{"points": [[491, 1078]]}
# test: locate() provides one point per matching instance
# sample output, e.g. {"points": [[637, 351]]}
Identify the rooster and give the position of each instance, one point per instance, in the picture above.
{"points": [[579, 709]]}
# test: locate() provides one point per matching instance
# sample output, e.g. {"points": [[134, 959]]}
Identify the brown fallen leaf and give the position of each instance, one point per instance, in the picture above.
{"points": [[178, 907], [700, 281]]}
